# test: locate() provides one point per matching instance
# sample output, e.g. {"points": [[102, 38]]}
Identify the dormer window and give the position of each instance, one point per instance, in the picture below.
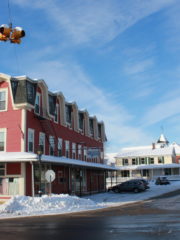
{"points": [[91, 127], [37, 104], [68, 114], [3, 100], [56, 113], [31, 92], [99, 131], [81, 122], [52, 104]]}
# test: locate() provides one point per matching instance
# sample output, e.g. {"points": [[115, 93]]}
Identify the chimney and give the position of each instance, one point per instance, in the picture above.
{"points": [[153, 145]]}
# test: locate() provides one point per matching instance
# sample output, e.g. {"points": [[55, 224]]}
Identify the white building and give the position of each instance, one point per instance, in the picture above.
{"points": [[160, 158]]}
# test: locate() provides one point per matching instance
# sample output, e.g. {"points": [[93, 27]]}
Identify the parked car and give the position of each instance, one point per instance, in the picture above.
{"points": [[129, 186], [145, 182], [162, 181]]}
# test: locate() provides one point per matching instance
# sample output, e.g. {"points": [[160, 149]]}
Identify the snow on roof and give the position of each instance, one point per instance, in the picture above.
{"points": [[143, 152], [149, 166], [110, 157], [162, 139], [30, 157]]}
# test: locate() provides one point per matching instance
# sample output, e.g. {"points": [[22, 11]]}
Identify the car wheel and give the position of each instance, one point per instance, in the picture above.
{"points": [[136, 190]]}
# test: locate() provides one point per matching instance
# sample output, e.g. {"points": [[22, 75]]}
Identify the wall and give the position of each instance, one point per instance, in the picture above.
{"points": [[11, 120]]}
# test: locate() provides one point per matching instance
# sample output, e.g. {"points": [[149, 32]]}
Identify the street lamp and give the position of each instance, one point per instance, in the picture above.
{"points": [[39, 154]]}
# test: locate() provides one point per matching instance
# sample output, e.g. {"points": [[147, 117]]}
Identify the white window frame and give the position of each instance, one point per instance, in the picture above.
{"points": [[38, 95], [67, 148], [4, 130], [42, 137], [60, 146], [31, 131], [6, 99]]}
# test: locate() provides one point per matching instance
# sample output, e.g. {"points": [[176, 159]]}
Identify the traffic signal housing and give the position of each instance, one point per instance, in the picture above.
{"points": [[16, 35], [5, 32]]}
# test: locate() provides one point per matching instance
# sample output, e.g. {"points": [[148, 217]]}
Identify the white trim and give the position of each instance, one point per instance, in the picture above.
{"points": [[6, 99], [38, 95], [5, 138], [23, 129], [57, 110]]}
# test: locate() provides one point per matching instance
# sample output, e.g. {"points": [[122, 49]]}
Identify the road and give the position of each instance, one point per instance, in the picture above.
{"points": [[142, 221]]}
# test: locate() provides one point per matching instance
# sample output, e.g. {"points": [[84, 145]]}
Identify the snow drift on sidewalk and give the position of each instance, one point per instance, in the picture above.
{"points": [[63, 203]]}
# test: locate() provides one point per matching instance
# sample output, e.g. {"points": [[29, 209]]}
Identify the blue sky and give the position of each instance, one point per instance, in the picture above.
{"points": [[119, 59]]}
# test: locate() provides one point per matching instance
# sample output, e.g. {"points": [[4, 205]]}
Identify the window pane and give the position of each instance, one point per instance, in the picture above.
{"points": [[2, 96]]}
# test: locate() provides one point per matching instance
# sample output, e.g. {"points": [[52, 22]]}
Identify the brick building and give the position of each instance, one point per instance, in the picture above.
{"points": [[71, 141]]}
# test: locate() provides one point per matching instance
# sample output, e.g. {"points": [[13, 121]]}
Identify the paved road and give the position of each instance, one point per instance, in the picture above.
{"points": [[138, 222]]}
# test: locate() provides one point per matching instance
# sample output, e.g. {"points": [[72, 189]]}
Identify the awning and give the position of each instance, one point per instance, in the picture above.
{"points": [[32, 157]]}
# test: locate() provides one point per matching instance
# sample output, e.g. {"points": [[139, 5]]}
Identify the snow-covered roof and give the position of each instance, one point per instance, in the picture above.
{"points": [[162, 139], [32, 157], [149, 166], [143, 152]]}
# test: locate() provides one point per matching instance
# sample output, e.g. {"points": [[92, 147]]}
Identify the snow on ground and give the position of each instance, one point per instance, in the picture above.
{"points": [[63, 203]]}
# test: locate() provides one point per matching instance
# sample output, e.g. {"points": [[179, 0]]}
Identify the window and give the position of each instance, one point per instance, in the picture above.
{"points": [[37, 103], [81, 121], [161, 159], [79, 152], [59, 147], [52, 104], [134, 161], [73, 150], [142, 160], [3, 100], [2, 169], [42, 141], [68, 114], [2, 140], [85, 153], [67, 148], [125, 162], [151, 160], [56, 113], [91, 127], [99, 131], [51, 145], [31, 92], [30, 140]]}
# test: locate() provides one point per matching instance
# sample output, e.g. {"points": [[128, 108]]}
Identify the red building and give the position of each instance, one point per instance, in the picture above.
{"points": [[71, 142]]}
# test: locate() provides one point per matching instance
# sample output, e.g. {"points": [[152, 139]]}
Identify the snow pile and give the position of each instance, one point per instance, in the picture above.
{"points": [[63, 203]]}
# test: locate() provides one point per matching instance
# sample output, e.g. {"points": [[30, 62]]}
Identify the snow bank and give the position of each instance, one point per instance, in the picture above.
{"points": [[63, 203]]}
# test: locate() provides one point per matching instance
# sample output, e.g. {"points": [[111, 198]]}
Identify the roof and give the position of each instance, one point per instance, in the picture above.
{"points": [[149, 166], [162, 139], [143, 152], [32, 157]]}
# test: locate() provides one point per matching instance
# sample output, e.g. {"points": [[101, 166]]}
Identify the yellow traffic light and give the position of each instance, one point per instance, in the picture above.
{"points": [[5, 32]]}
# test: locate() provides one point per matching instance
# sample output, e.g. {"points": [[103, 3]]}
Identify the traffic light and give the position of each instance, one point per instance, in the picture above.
{"points": [[5, 32], [16, 35]]}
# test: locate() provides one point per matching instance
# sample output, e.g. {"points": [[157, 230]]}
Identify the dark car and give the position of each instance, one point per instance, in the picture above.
{"points": [[145, 182], [162, 181], [129, 186]]}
